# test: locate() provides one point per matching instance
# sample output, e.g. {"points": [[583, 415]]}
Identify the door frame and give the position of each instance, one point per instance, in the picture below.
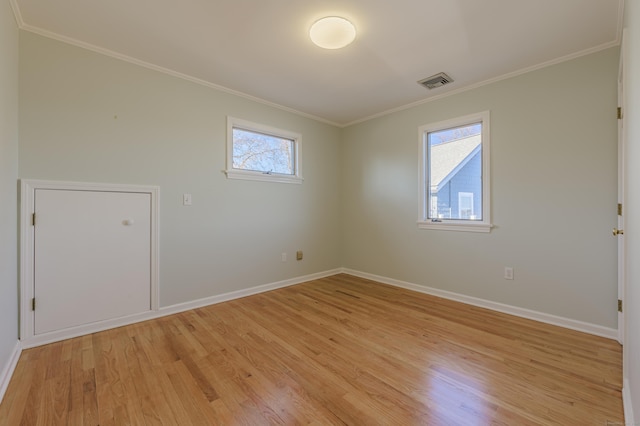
{"points": [[621, 193], [28, 189]]}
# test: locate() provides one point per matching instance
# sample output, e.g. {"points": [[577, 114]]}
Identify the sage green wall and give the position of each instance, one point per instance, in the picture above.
{"points": [[553, 190], [8, 184], [171, 133], [553, 181]]}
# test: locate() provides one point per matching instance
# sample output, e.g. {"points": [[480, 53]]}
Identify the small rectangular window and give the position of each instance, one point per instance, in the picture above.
{"points": [[258, 152], [454, 174]]}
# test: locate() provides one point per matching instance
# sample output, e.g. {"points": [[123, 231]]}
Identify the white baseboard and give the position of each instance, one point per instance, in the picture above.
{"points": [[82, 330], [9, 368], [626, 403], [181, 307], [585, 327], [194, 304]]}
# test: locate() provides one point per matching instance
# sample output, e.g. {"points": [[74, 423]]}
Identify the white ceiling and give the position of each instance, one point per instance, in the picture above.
{"points": [[260, 48]]}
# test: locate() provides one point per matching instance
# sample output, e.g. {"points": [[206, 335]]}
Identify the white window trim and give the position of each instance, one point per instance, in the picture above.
{"points": [[232, 173], [451, 224]]}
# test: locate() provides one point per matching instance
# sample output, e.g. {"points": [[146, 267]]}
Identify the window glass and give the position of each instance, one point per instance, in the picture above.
{"points": [[455, 172], [262, 153]]}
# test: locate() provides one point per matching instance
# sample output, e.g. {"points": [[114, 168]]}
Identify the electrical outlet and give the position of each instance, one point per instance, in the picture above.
{"points": [[284, 257], [508, 273], [299, 255]]}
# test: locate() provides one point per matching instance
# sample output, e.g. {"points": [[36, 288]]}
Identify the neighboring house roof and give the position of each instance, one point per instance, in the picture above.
{"points": [[449, 158]]}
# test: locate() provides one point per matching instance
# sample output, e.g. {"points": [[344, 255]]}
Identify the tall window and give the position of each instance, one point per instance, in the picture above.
{"points": [[454, 174], [258, 152]]}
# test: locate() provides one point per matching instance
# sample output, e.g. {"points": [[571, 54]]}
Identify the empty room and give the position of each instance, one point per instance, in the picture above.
{"points": [[355, 212]]}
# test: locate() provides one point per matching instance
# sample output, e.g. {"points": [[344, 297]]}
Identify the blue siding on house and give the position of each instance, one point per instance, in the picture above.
{"points": [[468, 179]]}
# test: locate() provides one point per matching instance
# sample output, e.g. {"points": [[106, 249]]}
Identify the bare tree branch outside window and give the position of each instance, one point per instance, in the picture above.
{"points": [[262, 153]]}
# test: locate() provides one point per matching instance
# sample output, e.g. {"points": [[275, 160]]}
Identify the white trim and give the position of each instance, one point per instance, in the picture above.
{"points": [[9, 368], [69, 40], [487, 82], [112, 54], [265, 177], [424, 222], [27, 198], [212, 300], [627, 403], [82, 330], [296, 138], [571, 324], [621, 243], [170, 310], [453, 225]]}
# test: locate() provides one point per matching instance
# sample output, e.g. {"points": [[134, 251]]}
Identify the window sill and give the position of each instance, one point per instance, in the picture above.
{"points": [[265, 177], [456, 226]]}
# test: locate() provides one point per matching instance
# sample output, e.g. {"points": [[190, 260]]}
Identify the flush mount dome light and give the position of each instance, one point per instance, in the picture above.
{"points": [[332, 32]]}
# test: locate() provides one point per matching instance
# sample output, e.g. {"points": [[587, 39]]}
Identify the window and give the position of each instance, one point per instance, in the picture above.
{"points": [[454, 174], [258, 152]]}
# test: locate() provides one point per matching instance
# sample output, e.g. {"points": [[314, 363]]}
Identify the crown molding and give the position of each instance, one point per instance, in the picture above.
{"points": [[489, 81], [97, 49], [78, 43]]}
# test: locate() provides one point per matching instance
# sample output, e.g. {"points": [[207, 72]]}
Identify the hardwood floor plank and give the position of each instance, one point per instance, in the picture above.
{"points": [[181, 345], [31, 411], [133, 400], [18, 400], [55, 403], [149, 393], [192, 402], [106, 376], [89, 398], [334, 351]]}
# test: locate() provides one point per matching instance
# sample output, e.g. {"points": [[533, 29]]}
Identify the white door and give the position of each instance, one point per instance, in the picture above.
{"points": [[619, 231], [92, 257]]}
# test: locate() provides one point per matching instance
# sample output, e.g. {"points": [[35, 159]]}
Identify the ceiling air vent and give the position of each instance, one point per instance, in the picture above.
{"points": [[437, 80]]}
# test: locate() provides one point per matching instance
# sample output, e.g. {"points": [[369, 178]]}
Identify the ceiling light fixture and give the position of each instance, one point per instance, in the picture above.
{"points": [[332, 32]]}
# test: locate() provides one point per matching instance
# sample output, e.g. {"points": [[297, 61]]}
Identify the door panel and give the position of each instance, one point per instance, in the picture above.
{"points": [[92, 257], [621, 195]]}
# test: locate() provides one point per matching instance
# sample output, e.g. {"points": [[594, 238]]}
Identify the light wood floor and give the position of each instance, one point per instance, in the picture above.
{"points": [[340, 350]]}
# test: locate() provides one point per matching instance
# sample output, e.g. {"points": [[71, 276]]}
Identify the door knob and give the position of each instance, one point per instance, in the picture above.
{"points": [[617, 232]]}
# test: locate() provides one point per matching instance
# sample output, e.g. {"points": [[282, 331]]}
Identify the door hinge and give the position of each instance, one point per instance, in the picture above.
{"points": [[33, 304], [619, 113], [619, 209], [33, 219], [619, 305]]}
